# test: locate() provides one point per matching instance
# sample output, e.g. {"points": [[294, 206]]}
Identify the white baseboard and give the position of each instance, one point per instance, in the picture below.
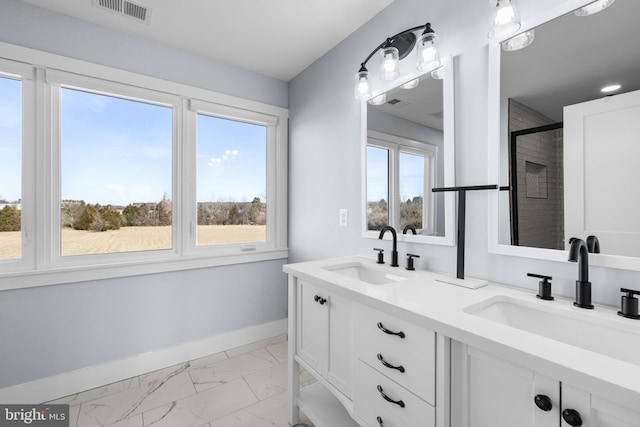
{"points": [[68, 383]]}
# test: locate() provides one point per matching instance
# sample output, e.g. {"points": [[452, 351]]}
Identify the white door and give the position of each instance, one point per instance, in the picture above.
{"points": [[601, 152]]}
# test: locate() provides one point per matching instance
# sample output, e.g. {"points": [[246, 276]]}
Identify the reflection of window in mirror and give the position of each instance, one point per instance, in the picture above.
{"points": [[377, 187], [406, 171]]}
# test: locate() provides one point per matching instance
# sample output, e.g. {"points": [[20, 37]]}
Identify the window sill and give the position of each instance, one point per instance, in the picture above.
{"points": [[55, 276]]}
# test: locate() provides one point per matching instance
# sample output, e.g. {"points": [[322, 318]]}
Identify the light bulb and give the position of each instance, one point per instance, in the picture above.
{"points": [[389, 64], [428, 52], [362, 88]]}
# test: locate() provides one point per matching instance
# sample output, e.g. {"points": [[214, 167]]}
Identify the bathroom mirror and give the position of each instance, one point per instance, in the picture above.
{"points": [[407, 149], [561, 177]]}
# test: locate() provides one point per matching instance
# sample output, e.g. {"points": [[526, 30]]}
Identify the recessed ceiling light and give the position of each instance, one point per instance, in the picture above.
{"points": [[610, 88]]}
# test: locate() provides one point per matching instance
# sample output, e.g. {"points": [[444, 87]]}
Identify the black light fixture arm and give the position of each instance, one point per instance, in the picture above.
{"points": [[390, 40]]}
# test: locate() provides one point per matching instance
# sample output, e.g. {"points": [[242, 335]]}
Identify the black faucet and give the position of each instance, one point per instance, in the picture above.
{"points": [[394, 252], [578, 252], [409, 227], [593, 245]]}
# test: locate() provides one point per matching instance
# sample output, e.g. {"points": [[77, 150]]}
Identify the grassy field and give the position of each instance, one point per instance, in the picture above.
{"points": [[128, 239]]}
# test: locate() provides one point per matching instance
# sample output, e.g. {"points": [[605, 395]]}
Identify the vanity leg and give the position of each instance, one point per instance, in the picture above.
{"points": [[293, 368]]}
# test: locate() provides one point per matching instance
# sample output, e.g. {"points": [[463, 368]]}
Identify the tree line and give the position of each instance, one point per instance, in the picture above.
{"points": [[410, 212], [78, 215]]}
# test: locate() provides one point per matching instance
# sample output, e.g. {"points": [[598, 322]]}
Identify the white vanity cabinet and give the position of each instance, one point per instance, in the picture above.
{"points": [[396, 370], [320, 341], [324, 334], [495, 392]]}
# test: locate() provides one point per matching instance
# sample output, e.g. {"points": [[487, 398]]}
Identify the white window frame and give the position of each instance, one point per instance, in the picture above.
{"points": [[274, 155], [26, 75], [397, 145], [55, 81], [41, 263]]}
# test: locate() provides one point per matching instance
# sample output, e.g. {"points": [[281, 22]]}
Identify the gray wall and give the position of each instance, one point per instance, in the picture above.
{"points": [[325, 151], [49, 330]]}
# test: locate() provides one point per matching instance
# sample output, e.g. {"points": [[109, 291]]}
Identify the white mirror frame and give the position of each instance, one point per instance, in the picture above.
{"points": [[448, 157], [496, 131]]}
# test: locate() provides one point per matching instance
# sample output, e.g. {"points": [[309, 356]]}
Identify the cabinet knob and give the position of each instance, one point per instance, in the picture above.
{"points": [[319, 299], [543, 402], [572, 417]]}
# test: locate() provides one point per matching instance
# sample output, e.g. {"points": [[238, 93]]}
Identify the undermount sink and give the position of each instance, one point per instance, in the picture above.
{"points": [[603, 334], [373, 275]]}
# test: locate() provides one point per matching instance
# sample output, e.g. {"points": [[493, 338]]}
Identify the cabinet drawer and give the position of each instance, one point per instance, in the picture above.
{"points": [[417, 375], [369, 403], [414, 340]]}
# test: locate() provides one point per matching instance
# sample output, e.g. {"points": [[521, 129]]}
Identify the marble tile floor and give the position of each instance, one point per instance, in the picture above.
{"points": [[242, 387]]}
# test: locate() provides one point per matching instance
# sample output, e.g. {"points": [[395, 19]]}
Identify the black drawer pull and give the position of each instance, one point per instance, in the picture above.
{"points": [[388, 365], [386, 331], [379, 420], [400, 403]]}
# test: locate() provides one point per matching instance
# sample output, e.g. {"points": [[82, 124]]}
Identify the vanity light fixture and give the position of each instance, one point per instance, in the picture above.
{"points": [[505, 19], [395, 49], [518, 42], [610, 88], [595, 7]]}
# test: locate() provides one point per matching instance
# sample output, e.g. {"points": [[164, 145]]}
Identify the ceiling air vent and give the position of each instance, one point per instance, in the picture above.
{"points": [[133, 10], [398, 103]]}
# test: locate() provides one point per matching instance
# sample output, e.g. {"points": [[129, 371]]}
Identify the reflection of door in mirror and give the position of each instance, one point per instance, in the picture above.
{"points": [[602, 148], [400, 176], [536, 179]]}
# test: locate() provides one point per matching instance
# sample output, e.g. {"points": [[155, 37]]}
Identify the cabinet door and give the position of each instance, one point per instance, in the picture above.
{"points": [[504, 394], [596, 411], [312, 328], [339, 368]]}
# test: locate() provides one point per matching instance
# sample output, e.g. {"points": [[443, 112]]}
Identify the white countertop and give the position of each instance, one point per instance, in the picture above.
{"points": [[439, 306]]}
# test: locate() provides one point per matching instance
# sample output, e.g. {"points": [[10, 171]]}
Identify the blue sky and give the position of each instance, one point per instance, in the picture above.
{"points": [[116, 151], [411, 176], [10, 134]]}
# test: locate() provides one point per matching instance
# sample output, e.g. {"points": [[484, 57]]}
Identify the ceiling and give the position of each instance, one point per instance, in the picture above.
{"points": [[276, 38], [573, 57]]}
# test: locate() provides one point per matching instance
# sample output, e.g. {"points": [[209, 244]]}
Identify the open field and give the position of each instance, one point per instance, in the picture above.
{"points": [[128, 239]]}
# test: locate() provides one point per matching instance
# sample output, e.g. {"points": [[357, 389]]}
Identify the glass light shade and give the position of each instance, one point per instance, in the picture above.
{"points": [[595, 7], [362, 88], [428, 52], [389, 63], [379, 100], [505, 19], [520, 41], [410, 84], [438, 74]]}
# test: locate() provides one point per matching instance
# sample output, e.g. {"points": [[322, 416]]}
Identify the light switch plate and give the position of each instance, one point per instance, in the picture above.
{"points": [[343, 218]]}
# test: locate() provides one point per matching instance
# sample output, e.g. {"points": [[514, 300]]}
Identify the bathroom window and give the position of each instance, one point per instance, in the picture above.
{"points": [[120, 174], [10, 168], [116, 173], [400, 176], [236, 194], [231, 184]]}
